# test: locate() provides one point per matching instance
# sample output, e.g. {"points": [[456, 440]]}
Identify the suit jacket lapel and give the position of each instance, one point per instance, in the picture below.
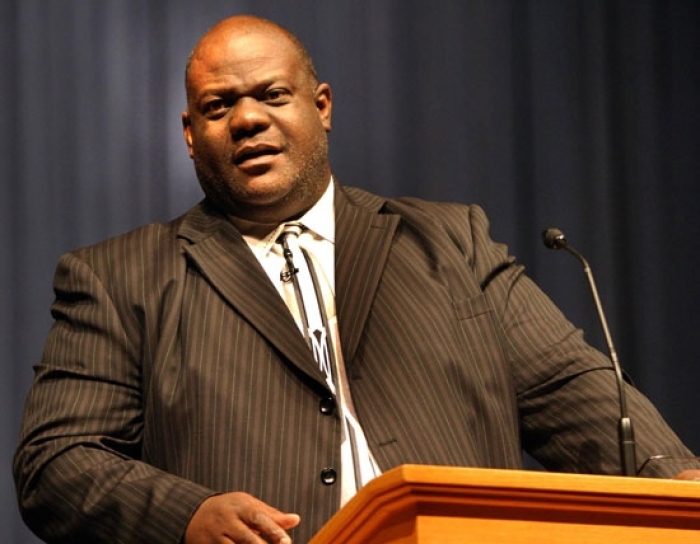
{"points": [[363, 240], [225, 260]]}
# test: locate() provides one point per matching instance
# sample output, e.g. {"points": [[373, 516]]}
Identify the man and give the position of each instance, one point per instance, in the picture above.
{"points": [[177, 401]]}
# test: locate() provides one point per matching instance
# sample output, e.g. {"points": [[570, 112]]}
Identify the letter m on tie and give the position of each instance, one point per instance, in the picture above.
{"points": [[319, 347]]}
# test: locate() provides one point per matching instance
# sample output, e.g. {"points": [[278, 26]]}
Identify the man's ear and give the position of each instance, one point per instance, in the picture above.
{"points": [[324, 104], [187, 132]]}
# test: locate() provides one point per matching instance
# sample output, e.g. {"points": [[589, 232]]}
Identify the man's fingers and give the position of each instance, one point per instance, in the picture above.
{"points": [[691, 474], [271, 526], [240, 518], [289, 521]]}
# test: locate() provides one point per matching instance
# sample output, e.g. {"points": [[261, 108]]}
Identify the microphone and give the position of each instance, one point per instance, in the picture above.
{"points": [[554, 238], [287, 275]]}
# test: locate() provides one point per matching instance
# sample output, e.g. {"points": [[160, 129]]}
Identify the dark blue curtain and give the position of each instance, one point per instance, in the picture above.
{"points": [[583, 114]]}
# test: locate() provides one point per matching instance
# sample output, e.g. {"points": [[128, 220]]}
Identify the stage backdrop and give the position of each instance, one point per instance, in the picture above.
{"points": [[581, 114]]}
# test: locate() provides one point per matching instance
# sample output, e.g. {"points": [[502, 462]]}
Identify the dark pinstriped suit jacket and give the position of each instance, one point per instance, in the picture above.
{"points": [[174, 370]]}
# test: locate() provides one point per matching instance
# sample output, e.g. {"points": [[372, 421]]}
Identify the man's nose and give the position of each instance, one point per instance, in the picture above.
{"points": [[249, 117]]}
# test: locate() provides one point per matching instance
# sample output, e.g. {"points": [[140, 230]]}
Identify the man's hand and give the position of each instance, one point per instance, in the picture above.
{"points": [[688, 475], [241, 519]]}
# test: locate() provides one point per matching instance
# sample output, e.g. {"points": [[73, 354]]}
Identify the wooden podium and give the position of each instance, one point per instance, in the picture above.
{"points": [[444, 505]]}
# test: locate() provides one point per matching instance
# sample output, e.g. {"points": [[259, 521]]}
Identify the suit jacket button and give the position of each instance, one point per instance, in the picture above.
{"points": [[328, 476], [327, 406]]}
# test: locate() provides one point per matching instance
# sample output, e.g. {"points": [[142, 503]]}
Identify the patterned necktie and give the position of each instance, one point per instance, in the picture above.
{"points": [[309, 300], [315, 304]]}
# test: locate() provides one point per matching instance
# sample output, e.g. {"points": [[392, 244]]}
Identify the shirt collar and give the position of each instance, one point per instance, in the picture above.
{"points": [[320, 220]]}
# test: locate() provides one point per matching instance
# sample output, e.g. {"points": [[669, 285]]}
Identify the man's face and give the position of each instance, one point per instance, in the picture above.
{"points": [[256, 126]]}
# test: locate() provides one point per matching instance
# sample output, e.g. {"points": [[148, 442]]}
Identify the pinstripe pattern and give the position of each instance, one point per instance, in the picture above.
{"points": [[174, 371]]}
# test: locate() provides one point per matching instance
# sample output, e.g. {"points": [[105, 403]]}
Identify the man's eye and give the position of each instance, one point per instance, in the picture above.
{"points": [[277, 96], [214, 107]]}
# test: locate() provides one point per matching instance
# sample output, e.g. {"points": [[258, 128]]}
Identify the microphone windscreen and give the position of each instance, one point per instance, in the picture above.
{"points": [[553, 238]]}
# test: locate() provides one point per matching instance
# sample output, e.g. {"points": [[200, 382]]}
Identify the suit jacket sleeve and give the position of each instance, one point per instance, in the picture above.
{"points": [[77, 468], [566, 391]]}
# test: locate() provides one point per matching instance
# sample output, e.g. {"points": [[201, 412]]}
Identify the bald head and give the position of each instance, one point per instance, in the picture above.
{"points": [[218, 37]]}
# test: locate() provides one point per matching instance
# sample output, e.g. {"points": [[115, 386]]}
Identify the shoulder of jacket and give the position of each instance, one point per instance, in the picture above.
{"points": [[151, 237]]}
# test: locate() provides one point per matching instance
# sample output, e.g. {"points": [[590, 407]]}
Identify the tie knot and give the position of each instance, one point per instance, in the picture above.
{"points": [[288, 229]]}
